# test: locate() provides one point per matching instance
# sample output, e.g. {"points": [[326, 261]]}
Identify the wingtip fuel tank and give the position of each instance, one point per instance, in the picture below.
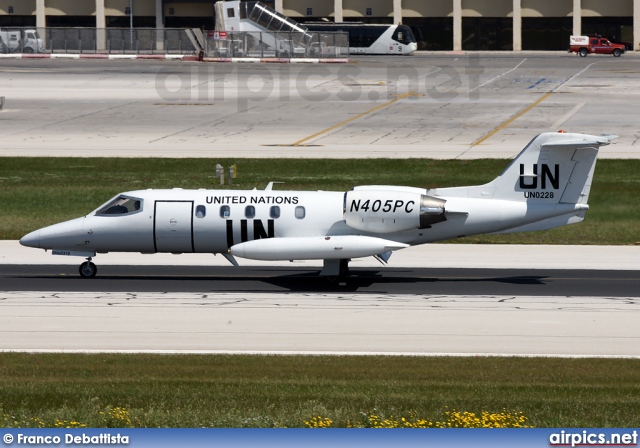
{"points": [[312, 248]]}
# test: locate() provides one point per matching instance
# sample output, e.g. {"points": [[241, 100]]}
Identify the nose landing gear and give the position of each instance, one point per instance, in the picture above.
{"points": [[88, 269]]}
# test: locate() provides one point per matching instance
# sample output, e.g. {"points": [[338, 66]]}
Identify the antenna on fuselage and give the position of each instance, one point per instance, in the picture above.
{"points": [[269, 186]]}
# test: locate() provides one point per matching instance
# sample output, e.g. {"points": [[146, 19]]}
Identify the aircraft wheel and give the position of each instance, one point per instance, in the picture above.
{"points": [[583, 52], [617, 53], [88, 270], [343, 273]]}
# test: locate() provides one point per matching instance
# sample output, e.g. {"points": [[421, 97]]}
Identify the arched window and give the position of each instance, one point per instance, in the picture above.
{"points": [[121, 205]]}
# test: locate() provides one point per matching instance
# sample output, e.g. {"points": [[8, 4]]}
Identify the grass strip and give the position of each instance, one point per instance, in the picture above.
{"points": [[36, 192], [268, 391]]}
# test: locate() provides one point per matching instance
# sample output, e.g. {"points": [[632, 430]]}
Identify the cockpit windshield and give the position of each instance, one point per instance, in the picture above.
{"points": [[121, 205]]}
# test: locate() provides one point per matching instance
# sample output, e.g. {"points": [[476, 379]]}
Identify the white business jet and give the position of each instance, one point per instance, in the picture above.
{"points": [[547, 185]]}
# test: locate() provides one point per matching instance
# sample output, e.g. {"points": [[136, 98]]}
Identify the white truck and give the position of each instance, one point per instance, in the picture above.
{"points": [[21, 41]]}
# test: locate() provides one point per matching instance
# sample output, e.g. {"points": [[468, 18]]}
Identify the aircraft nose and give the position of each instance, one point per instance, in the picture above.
{"points": [[31, 239], [65, 235]]}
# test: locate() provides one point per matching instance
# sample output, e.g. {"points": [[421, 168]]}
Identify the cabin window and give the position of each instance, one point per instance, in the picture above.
{"points": [[274, 212], [201, 211], [300, 212], [122, 205], [250, 212], [225, 212], [231, 13], [243, 10]]}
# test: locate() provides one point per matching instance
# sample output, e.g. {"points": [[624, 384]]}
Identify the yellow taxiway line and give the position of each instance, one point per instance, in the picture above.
{"points": [[511, 120], [342, 123]]}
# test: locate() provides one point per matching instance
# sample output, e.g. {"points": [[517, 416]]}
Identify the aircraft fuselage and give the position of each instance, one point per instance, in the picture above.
{"points": [[547, 185]]}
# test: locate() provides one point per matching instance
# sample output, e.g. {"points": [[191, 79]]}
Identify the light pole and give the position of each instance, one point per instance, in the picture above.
{"points": [[131, 24]]}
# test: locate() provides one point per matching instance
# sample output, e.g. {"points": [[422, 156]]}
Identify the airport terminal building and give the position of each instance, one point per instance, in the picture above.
{"points": [[437, 24]]}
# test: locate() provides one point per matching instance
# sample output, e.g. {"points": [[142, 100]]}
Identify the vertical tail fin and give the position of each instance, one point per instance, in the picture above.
{"points": [[551, 176], [553, 168]]}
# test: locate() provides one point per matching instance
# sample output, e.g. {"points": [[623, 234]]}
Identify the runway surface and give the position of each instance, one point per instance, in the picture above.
{"points": [[431, 300], [260, 310]]}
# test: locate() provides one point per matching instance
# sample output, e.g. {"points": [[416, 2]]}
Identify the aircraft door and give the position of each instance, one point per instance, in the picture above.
{"points": [[173, 226]]}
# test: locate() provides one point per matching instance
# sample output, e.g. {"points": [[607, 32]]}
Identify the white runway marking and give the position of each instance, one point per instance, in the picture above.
{"points": [[345, 324], [568, 81], [499, 76]]}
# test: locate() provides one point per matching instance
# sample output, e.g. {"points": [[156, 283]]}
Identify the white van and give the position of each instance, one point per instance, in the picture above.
{"points": [[20, 41]]}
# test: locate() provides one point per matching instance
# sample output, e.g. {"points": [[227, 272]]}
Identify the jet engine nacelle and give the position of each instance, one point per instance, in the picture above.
{"points": [[388, 211]]}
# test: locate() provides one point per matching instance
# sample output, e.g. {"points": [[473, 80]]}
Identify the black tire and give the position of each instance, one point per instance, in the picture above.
{"points": [[88, 270], [616, 53], [583, 52], [343, 273], [27, 50]]}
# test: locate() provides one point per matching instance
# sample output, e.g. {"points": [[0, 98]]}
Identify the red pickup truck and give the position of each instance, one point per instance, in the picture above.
{"points": [[584, 45]]}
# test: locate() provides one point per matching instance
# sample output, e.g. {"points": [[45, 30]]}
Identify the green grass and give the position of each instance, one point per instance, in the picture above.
{"points": [[36, 192], [265, 391]]}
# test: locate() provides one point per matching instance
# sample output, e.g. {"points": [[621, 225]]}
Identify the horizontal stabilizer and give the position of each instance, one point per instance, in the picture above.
{"points": [[315, 248], [580, 142]]}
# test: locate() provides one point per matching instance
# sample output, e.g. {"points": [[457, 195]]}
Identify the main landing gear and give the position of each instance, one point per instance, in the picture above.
{"points": [[88, 269], [335, 270]]}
